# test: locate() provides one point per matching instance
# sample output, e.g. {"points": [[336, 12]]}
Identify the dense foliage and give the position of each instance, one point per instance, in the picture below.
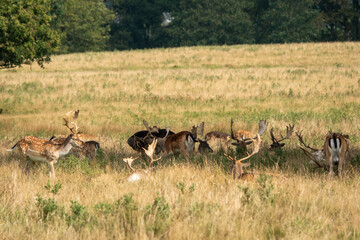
{"points": [[26, 34], [83, 25]]}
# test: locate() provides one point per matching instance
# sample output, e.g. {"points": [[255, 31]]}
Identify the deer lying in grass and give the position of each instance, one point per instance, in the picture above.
{"points": [[143, 173], [87, 144], [277, 143], [243, 137], [316, 155], [238, 165], [203, 147], [43, 150], [142, 139]]}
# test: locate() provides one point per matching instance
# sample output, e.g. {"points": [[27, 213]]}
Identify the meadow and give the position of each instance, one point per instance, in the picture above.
{"points": [[314, 86]]}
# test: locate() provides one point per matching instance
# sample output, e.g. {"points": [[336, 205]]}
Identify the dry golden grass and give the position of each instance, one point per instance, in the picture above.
{"points": [[314, 86]]}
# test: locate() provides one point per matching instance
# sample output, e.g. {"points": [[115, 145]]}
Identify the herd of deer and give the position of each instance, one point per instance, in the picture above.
{"points": [[155, 140]]}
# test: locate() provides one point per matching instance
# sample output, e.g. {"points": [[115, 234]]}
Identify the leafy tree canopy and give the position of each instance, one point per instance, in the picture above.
{"points": [[25, 33], [83, 25]]}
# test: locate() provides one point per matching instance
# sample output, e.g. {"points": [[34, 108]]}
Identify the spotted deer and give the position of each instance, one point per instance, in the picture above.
{"points": [[37, 149], [87, 144]]}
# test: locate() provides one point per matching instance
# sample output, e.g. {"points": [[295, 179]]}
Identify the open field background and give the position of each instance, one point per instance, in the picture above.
{"points": [[314, 86]]}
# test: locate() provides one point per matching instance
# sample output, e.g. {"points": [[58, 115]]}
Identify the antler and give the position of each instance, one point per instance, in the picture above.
{"points": [[67, 120], [238, 162], [150, 152], [129, 161], [276, 143], [300, 137], [306, 151]]}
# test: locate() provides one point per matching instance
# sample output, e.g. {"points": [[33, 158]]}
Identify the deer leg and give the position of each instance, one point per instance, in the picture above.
{"points": [[331, 169], [51, 169]]}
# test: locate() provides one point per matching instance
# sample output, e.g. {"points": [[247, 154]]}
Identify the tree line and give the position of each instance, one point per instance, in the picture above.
{"points": [[31, 30]]}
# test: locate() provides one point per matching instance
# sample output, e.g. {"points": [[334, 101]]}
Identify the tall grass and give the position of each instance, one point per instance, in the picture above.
{"points": [[314, 86]]}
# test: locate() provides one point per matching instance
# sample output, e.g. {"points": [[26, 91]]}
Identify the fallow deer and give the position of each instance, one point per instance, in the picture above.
{"points": [[198, 132], [143, 173], [244, 138], [243, 135], [336, 147], [142, 139], [238, 165], [87, 144], [316, 155], [43, 150], [277, 143], [183, 141]]}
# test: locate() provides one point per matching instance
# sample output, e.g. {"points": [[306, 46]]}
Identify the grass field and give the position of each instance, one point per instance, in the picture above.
{"points": [[314, 86]]}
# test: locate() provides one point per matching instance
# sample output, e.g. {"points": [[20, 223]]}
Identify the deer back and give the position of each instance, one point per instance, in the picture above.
{"points": [[179, 141]]}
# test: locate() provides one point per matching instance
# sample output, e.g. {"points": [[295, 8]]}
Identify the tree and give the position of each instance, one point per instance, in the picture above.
{"points": [[341, 18], [209, 22], [289, 21], [25, 33], [83, 25], [138, 23]]}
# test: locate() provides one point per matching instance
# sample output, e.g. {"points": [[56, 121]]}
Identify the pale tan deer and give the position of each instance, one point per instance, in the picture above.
{"points": [[43, 150], [336, 147], [142, 173]]}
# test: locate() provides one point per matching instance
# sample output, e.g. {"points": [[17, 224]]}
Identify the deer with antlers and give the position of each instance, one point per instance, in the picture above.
{"points": [[316, 155], [37, 149], [277, 142], [204, 146], [87, 144], [243, 137], [238, 165], [332, 156], [143, 173], [142, 139]]}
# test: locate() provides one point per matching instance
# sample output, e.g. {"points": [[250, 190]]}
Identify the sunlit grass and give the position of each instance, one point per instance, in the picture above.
{"points": [[314, 86]]}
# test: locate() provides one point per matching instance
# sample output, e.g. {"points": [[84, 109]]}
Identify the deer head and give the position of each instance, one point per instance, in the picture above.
{"points": [[277, 142], [315, 155], [238, 165], [198, 132]]}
